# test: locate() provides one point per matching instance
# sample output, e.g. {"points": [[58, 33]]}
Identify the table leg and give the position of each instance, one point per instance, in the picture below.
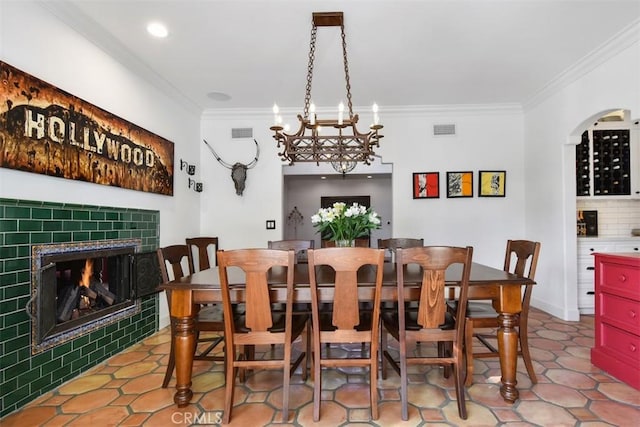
{"points": [[184, 344], [508, 348]]}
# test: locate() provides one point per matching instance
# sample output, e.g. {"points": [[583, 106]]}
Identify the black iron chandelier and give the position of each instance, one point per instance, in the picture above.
{"points": [[336, 141]]}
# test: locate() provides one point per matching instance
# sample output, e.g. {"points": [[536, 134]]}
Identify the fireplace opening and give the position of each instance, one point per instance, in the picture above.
{"points": [[78, 287]]}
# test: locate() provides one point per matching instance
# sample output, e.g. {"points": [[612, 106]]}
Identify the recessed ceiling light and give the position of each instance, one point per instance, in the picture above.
{"points": [[219, 96], [157, 29]]}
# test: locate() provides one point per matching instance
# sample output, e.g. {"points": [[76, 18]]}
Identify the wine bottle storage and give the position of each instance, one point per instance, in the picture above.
{"points": [[583, 168], [611, 162]]}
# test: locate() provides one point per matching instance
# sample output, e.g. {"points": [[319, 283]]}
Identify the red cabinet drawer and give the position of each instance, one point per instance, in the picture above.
{"points": [[624, 345], [620, 312], [620, 279]]}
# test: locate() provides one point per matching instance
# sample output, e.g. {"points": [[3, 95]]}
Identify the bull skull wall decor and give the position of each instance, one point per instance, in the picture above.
{"points": [[238, 170]]}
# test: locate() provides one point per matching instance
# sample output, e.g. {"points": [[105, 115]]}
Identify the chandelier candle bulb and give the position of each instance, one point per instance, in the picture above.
{"points": [[276, 110], [340, 113], [312, 114]]}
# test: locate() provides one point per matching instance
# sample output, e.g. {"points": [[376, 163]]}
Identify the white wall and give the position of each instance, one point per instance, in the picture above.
{"points": [[551, 128], [489, 138], [51, 51]]}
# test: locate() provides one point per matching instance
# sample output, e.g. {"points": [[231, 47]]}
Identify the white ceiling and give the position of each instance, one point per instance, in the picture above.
{"points": [[401, 52]]}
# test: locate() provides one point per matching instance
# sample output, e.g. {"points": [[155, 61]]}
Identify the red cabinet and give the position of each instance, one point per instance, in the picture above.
{"points": [[617, 316]]}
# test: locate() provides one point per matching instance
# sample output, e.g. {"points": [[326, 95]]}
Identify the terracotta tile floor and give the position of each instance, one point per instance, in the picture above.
{"points": [[125, 391]]}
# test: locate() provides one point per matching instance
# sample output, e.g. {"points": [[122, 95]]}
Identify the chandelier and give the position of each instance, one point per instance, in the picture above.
{"points": [[333, 140]]}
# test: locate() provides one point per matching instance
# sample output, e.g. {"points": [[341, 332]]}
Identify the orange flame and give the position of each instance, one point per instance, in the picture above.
{"points": [[86, 273]]}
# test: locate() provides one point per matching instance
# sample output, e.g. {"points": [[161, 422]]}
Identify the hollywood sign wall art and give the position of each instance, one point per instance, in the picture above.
{"points": [[48, 131]]}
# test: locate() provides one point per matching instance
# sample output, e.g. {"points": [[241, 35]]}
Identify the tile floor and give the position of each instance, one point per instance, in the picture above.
{"points": [[125, 391]]}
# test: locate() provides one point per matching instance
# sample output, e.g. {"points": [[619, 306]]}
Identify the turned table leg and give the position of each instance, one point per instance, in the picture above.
{"points": [[508, 348]]}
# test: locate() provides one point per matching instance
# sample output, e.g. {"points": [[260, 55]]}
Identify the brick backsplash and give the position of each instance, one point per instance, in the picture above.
{"points": [[616, 217], [23, 376]]}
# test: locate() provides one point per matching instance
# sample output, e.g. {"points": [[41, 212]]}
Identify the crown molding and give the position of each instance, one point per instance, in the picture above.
{"points": [[624, 39], [92, 31]]}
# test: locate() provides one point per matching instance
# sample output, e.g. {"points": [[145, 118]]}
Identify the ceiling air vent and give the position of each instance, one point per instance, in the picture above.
{"points": [[242, 133], [439, 130]]}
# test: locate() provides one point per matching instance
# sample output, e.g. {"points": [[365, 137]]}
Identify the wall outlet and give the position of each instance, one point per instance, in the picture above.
{"points": [[271, 224]]}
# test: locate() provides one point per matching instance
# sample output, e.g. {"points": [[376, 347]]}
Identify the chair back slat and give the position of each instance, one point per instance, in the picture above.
{"points": [[434, 261], [346, 313], [259, 314], [526, 254], [201, 246], [432, 307], [172, 256]]}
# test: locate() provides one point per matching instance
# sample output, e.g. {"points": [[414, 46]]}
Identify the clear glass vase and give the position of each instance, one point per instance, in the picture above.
{"points": [[345, 243]]}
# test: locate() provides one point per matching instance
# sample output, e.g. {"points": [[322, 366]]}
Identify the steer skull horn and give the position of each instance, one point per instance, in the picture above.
{"points": [[238, 170]]}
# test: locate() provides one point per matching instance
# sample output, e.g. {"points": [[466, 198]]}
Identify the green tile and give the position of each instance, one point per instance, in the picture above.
{"points": [[97, 235], [41, 237], [41, 213], [89, 225], [111, 235], [61, 237], [24, 250], [97, 216], [81, 236], [17, 212], [7, 225], [80, 215], [16, 238], [62, 214], [111, 216], [29, 225], [105, 226], [17, 264], [8, 252], [71, 226], [52, 226]]}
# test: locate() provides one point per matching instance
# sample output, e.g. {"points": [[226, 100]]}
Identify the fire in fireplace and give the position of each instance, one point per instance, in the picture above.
{"points": [[78, 287]]}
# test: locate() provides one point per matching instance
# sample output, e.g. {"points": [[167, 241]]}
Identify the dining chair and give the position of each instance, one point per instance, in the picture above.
{"points": [[300, 247], [208, 319], [400, 242], [342, 321], [430, 321], [521, 258], [259, 325], [201, 245]]}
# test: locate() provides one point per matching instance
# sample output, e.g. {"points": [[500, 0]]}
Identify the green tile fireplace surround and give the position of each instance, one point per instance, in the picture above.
{"points": [[25, 376]]}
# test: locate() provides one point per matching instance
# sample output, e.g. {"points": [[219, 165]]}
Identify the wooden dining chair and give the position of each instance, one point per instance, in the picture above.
{"points": [[430, 321], [342, 321], [399, 242], [201, 246], [300, 247], [259, 325], [521, 258], [209, 319]]}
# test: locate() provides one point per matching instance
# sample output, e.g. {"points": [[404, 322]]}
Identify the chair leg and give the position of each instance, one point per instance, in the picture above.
{"points": [[171, 364], [459, 379], [317, 380], [383, 348], [286, 371], [468, 347], [526, 355], [373, 384], [403, 379], [230, 385]]}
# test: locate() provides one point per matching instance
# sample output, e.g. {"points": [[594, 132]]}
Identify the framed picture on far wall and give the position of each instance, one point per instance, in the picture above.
{"points": [[426, 185], [492, 183], [459, 184]]}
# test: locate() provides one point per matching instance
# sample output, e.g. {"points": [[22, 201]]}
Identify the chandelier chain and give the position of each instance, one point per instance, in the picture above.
{"points": [[346, 71], [312, 54]]}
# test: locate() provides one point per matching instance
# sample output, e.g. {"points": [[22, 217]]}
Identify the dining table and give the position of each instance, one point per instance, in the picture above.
{"points": [[188, 293]]}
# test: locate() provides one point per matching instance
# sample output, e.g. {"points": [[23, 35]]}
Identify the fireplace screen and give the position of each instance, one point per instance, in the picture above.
{"points": [[78, 287]]}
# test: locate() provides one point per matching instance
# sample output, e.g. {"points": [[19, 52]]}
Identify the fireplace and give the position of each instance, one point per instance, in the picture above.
{"points": [[78, 287]]}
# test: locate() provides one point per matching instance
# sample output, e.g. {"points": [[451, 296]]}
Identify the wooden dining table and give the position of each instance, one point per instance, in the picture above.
{"points": [[189, 292]]}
